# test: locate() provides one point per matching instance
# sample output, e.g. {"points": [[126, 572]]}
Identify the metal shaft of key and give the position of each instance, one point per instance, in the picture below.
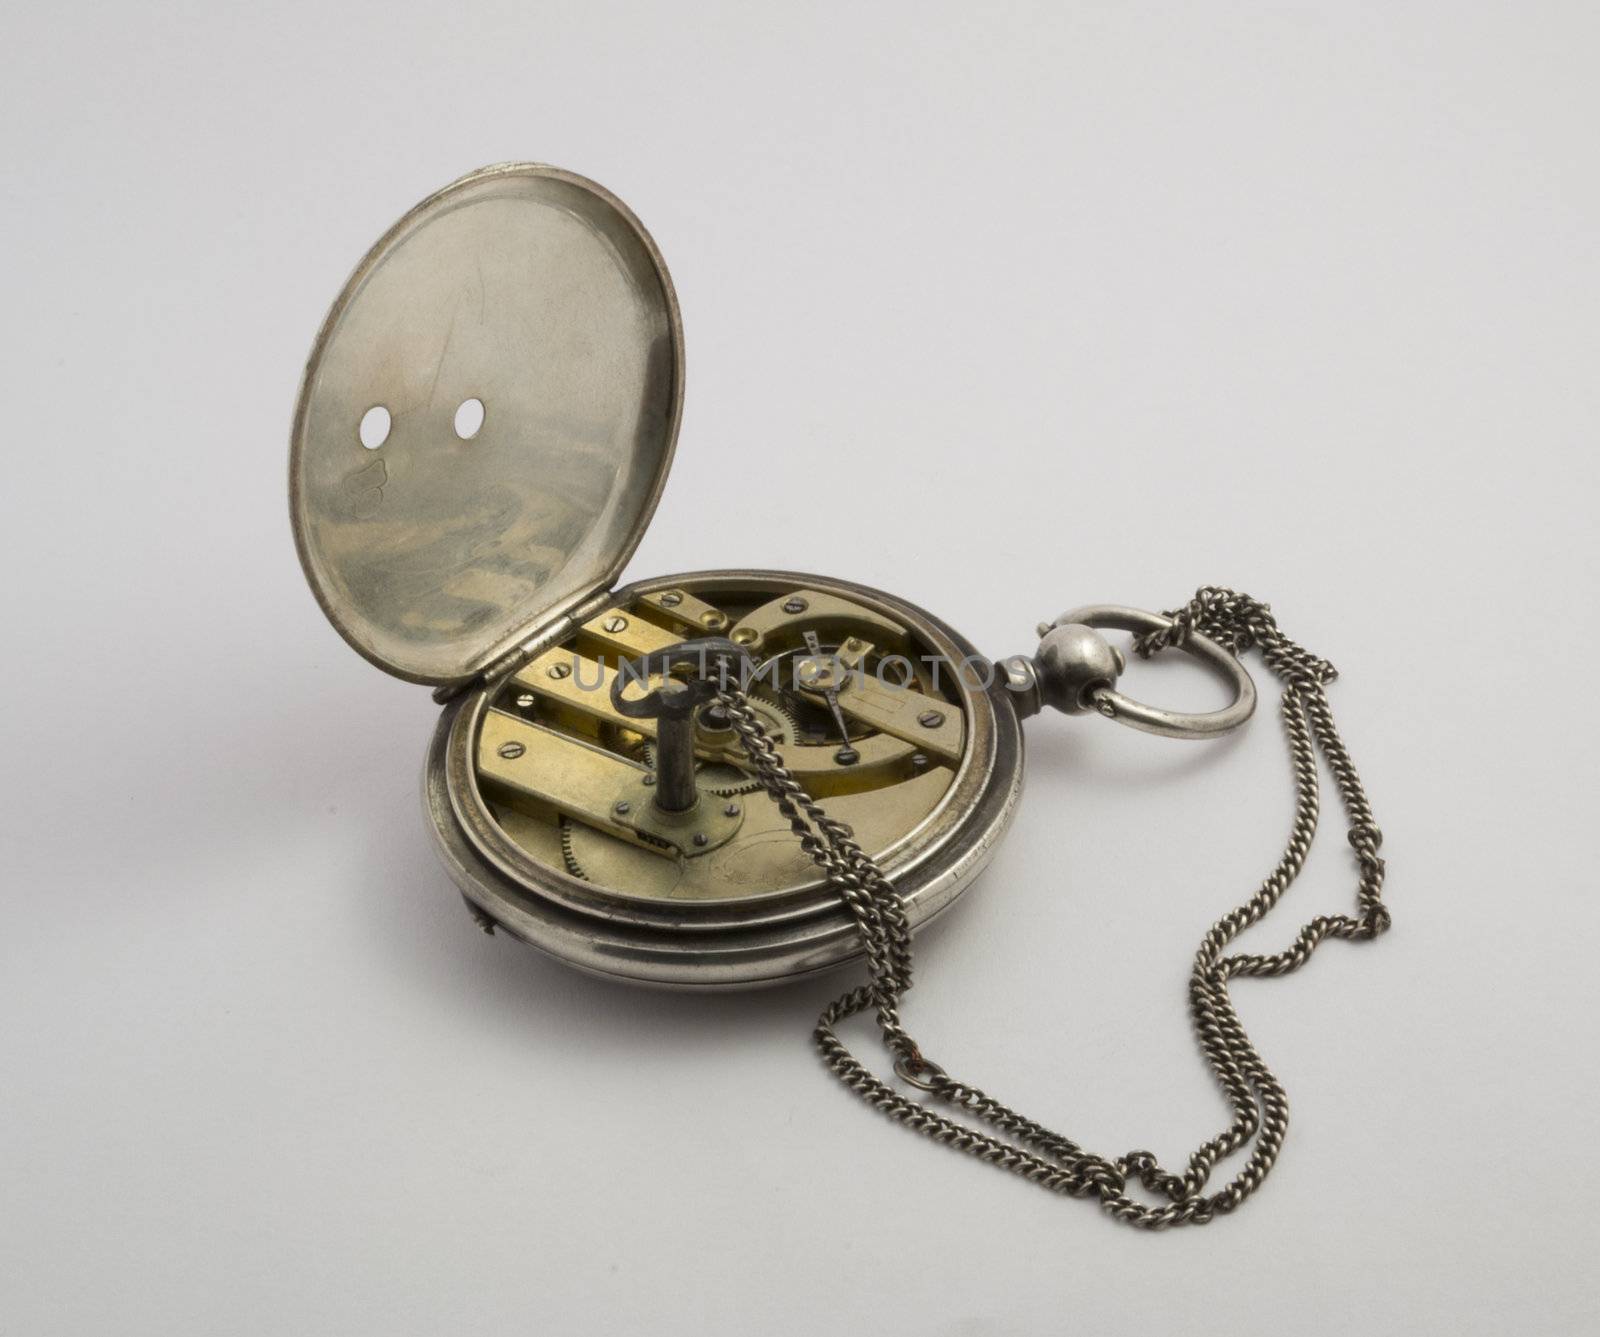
{"points": [[675, 789]]}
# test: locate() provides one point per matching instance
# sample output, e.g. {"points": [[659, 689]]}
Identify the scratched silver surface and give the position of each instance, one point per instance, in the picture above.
{"points": [[539, 294]]}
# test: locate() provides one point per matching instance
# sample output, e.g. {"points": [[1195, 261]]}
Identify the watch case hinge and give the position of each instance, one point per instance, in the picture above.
{"points": [[540, 639]]}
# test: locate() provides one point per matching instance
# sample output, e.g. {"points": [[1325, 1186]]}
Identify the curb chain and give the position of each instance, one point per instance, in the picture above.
{"points": [[1259, 1104]]}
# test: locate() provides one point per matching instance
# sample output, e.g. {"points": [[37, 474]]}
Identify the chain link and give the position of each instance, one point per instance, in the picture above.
{"points": [[1258, 1101]]}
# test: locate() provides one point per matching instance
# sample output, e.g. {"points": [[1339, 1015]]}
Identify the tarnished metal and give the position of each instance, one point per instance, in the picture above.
{"points": [[1153, 719], [675, 789], [1260, 1105], [539, 294], [708, 833], [753, 909]]}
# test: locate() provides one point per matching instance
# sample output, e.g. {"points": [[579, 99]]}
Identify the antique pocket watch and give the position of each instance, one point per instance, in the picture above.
{"points": [[719, 779]]}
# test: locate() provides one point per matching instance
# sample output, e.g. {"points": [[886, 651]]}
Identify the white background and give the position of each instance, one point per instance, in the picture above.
{"points": [[1001, 308]]}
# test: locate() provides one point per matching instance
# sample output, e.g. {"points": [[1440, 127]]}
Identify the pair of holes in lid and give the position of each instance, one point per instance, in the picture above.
{"points": [[376, 423]]}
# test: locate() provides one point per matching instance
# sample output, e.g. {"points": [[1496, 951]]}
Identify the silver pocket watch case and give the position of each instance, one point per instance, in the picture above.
{"points": [[483, 431]]}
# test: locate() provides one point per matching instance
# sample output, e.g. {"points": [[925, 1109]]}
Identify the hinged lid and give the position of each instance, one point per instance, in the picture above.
{"points": [[537, 294]]}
